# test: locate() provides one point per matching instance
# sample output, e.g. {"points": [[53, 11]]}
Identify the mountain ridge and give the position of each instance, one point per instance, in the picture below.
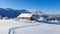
{"points": [[11, 13]]}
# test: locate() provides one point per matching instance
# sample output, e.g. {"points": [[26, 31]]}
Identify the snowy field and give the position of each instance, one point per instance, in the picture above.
{"points": [[29, 28]]}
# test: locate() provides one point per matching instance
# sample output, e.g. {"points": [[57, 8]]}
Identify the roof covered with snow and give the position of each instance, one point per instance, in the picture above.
{"points": [[25, 15]]}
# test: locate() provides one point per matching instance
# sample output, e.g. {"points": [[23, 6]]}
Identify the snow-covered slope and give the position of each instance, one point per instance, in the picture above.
{"points": [[39, 28]]}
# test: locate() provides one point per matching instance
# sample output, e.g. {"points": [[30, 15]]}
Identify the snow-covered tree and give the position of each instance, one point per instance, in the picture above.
{"points": [[41, 18]]}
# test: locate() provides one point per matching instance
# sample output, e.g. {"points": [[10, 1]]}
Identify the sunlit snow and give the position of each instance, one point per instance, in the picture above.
{"points": [[39, 28]]}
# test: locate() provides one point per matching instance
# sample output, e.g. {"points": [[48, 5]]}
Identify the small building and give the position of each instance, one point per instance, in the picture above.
{"points": [[27, 16]]}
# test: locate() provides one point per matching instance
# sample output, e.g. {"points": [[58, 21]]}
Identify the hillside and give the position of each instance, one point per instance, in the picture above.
{"points": [[28, 28]]}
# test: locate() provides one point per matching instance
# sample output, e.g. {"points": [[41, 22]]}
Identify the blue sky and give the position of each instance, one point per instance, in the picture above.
{"points": [[47, 6]]}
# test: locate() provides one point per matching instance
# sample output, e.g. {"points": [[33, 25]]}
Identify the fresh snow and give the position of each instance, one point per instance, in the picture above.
{"points": [[38, 28]]}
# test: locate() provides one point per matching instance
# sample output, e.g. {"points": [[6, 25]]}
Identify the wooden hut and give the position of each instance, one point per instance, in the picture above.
{"points": [[26, 16]]}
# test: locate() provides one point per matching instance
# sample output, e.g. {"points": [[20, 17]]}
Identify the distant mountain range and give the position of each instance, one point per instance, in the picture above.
{"points": [[11, 13]]}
